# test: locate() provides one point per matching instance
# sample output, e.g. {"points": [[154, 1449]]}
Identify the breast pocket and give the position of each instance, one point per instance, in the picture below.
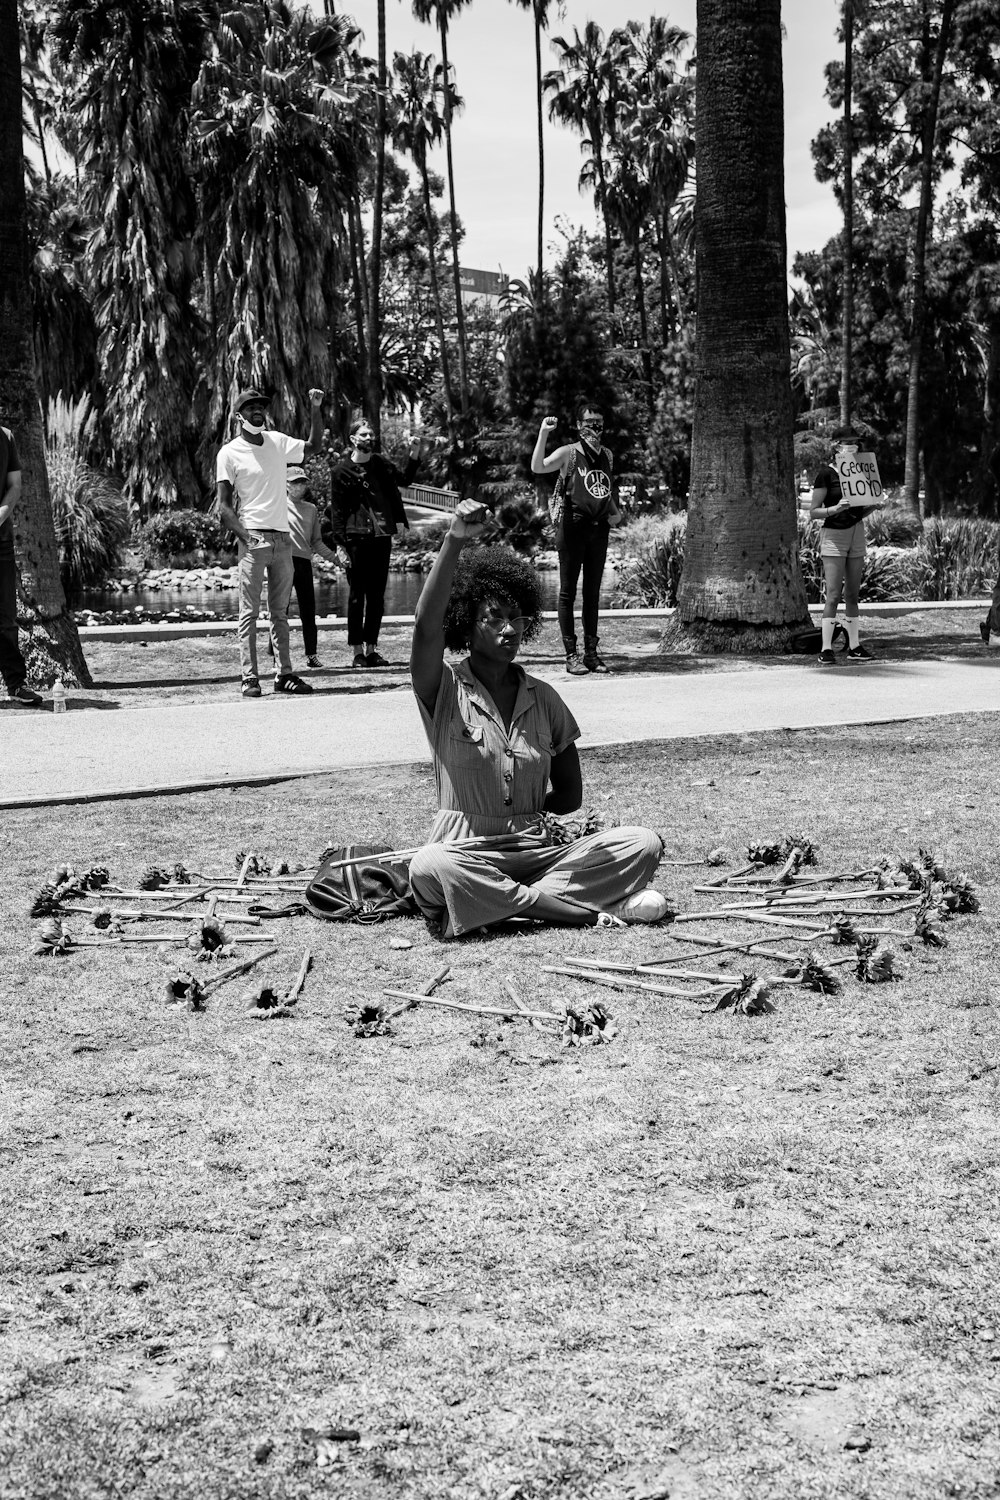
{"points": [[466, 744]]}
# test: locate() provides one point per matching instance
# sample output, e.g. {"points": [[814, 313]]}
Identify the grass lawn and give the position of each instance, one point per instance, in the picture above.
{"points": [[697, 1261]]}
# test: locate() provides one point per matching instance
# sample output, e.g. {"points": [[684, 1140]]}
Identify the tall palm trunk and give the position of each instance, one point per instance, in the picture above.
{"points": [[609, 251], [53, 645], [918, 282], [741, 582], [463, 367], [374, 372], [847, 312], [436, 290], [541, 140]]}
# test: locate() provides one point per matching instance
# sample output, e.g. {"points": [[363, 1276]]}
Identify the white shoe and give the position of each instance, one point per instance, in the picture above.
{"points": [[644, 906]]}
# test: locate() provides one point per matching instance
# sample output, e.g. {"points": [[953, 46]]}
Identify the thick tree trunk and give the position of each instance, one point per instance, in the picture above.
{"points": [[49, 640], [847, 315], [918, 283], [609, 249], [741, 579], [986, 482], [463, 360], [541, 143], [374, 373], [640, 303]]}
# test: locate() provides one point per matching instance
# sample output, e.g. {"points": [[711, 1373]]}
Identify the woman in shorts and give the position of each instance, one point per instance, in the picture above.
{"points": [[504, 751], [842, 548]]}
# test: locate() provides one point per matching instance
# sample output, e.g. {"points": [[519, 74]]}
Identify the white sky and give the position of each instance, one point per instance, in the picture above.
{"points": [[491, 45]]}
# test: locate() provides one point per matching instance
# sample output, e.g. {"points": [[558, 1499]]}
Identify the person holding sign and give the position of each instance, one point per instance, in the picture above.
{"points": [[843, 492]]}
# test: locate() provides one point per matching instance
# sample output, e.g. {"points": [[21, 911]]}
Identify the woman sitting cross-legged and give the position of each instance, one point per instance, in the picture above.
{"points": [[504, 753]]}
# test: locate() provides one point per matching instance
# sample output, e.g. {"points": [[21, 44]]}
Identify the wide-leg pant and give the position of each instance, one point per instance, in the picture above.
{"points": [[463, 889]]}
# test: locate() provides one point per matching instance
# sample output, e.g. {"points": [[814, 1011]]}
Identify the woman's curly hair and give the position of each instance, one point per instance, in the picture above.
{"points": [[491, 575]]}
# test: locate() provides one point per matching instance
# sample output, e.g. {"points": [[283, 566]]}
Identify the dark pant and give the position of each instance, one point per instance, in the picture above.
{"points": [[366, 580], [582, 546], [12, 668], [305, 595]]}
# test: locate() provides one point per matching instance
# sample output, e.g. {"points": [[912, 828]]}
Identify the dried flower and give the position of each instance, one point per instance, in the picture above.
{"points": [[927, 927], [208, 938], [958, 896], [876, 960], [95, 878], [153, 878], [765, 854], [103, 918], [588, 1027], [891, 877], [805, 846], [916, 876], [46, 901], [61, 875], [53, 937], [932, 864], [182, 988], [571, 827], [367, 1020], [266, 1004], [816, 975], [751, 997], [254, 864], [845, 933], [716, 857], [180, 875]]}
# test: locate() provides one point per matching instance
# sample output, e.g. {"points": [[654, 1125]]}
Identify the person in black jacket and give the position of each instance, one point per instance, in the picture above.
{"points": [[366, 511]]}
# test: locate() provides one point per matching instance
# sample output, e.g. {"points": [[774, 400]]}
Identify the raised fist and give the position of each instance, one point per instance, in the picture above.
{"points": [[316, 397], [549, 423]]}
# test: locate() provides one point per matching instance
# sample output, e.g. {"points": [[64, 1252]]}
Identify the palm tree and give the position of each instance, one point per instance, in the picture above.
{"points": [[53, 644], [442, 11], [583, 94], [374, 326], [540, 14], [417, 126], [741, 574], [129, 70], [267, 108]]}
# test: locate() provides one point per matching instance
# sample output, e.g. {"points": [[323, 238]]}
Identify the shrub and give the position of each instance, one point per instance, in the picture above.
{"points": [[90, 516], [649, 577], [171, 537], [421, 538], [894, 527], [958, 559]]}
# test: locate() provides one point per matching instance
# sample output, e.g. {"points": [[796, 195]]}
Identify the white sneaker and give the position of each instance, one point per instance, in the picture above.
{"points": [[644, 906]]}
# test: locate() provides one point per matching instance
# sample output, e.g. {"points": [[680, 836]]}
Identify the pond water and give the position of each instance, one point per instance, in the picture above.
{"points": [[401, 596]]}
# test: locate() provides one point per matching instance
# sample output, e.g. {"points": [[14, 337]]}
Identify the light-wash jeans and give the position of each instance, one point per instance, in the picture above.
{"points": [[269, 555]]}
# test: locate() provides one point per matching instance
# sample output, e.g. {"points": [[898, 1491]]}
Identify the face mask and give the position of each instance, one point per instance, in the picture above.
{"points": [[253, 427], [592, 436]]}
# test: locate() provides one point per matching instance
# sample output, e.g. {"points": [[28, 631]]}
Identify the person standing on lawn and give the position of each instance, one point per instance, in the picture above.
{"points": [[585, 509], [504, 751], [252, 496], [12, 663], [365, 514], [304, 527], [842, 548]]}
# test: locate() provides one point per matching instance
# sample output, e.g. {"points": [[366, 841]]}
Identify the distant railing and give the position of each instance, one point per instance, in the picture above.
{"points": [[425, 494]]}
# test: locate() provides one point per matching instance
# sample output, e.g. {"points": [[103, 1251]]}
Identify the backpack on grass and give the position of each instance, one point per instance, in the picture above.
{"points": [[364, 891]]}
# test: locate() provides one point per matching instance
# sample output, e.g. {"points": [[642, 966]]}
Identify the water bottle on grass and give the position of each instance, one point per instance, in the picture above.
{"points": [[58, 697]]}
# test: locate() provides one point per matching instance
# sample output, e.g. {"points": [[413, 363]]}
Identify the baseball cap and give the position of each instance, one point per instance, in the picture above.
{"points": [[296, 471], [242, 397]]}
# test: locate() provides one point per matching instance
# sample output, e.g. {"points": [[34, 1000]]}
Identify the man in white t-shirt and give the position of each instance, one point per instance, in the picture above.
{"points": [[252, 493]]}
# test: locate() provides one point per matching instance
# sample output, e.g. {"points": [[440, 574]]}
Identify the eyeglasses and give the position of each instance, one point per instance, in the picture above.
{"points": [[597, 423], [499, 623]]}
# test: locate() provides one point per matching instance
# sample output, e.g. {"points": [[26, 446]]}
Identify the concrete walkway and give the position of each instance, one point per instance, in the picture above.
{"points": [[89, 756]]}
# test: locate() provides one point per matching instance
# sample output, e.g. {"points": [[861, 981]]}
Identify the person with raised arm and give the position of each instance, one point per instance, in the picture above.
{"points": [[251, 475], [584, 509], [505, 759]]}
